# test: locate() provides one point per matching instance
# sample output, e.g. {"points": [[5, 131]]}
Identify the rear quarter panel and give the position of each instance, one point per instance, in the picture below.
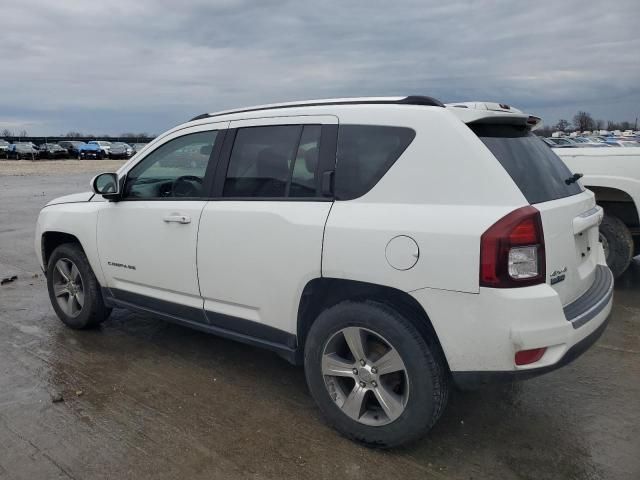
{"points": [[444, 192]]}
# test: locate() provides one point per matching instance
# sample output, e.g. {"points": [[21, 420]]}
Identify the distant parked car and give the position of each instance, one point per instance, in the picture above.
{"points": [[104, 146], [52, 150], [72, 146], [587, 142], [561, 142], [120, 150], [4, 147], [617, 142], [22, 150], [138, 146], [91, 150]]}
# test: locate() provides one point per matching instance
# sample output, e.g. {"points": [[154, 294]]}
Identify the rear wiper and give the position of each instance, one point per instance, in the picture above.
{"points": [[573, 179]]}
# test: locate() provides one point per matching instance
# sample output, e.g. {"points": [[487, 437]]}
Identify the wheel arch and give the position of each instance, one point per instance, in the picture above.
{"points": [[50, 240], [617, 202], [322, 293]]}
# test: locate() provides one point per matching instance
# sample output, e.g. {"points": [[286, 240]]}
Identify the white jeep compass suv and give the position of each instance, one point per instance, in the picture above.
{"points": [[393, 246]]}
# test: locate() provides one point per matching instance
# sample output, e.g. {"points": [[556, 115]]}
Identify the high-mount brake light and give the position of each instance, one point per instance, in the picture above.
{"points": [[512, 251]]}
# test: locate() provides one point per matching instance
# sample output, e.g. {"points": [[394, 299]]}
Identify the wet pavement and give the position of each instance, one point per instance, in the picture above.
{"points": [[145, 399]]}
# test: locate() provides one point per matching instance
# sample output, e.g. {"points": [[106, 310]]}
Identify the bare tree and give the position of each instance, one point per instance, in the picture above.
{"points": [[7, 133], [73, 134], [562, 125], [599, 124], [23, 133], [583, 121]]}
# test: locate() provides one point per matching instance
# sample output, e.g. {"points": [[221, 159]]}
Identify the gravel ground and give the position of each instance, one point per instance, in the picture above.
{"points": [[143, 399], [57, 167]]}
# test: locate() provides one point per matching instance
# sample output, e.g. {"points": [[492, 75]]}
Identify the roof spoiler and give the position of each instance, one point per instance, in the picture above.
{"points": [[494, 113]]}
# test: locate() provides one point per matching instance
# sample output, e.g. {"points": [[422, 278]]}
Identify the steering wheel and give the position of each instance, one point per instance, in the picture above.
{"points": [[185, 186]]}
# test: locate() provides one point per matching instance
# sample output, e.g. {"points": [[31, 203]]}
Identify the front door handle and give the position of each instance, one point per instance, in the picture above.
{"points": [[177, 219]]}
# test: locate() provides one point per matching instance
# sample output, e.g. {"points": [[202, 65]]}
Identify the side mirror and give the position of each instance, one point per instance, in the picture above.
{"points": [[107, 185]]}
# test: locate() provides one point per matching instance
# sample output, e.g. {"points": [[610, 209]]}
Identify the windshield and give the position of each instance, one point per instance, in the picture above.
{"points": [[538, 172]]}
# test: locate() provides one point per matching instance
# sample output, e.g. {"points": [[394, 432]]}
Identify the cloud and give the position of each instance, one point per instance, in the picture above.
{"points": [[117, 65]]}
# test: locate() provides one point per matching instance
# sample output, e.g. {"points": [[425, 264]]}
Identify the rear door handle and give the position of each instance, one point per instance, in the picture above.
{"points": [[177, 219]]}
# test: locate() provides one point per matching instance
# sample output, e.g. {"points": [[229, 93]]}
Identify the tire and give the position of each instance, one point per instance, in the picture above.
{"points": [[618, 244], [91, 311], [423, 385]]}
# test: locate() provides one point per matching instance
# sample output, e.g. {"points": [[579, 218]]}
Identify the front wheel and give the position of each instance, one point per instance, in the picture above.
{"points": [[374, 376], [73, 288]]}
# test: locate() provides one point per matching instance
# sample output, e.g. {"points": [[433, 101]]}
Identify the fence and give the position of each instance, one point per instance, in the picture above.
{"points": [[54, 139]]}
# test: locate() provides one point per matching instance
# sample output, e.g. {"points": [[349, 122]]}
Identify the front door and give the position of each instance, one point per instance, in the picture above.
{"points": [[147, 241]]}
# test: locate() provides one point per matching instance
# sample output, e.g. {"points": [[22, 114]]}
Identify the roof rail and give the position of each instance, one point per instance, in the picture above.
{"points": [[409, 100]]}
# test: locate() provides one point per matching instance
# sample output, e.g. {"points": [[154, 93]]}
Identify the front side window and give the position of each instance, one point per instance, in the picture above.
{"points": [[175, 169], [274, 161], [365, 154]]}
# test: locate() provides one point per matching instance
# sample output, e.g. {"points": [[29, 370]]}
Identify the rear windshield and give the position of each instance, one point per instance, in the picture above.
{"points": [[538, 172]]}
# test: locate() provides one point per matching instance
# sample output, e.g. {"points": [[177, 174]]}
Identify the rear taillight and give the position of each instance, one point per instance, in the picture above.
{"points": [[512, 251]]}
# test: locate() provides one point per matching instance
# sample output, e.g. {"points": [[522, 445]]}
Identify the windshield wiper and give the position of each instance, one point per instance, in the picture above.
{"points": [[573, 179]]}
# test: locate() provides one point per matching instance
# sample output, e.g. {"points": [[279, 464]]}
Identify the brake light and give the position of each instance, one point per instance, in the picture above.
{"points": [[512, 251]]}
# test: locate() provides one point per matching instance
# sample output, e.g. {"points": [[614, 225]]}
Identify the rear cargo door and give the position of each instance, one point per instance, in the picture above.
{"points": [[572, 243], [570, 217]]}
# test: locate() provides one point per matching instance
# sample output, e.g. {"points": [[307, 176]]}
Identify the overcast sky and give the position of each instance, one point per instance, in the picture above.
{"points": [[140, 65]]}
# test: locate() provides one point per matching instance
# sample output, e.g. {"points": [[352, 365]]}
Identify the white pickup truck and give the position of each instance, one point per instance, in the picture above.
{"points": [[613, 174]]}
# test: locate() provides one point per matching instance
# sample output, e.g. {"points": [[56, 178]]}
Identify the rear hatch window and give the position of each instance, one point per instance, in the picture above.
{"points": [[538, 172]]}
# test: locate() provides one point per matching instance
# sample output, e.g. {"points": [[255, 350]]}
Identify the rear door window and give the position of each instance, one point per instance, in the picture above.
{"points": [[538, 172], [274, 161], [365, 154]]}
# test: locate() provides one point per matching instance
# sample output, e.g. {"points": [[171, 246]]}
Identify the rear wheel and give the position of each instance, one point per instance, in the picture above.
{"points": [[73, 288], [617, 243], [375, 378]]}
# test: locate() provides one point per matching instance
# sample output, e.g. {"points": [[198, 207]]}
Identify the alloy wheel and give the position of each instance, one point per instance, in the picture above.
{"points": [[68, 287], [365, 376]]}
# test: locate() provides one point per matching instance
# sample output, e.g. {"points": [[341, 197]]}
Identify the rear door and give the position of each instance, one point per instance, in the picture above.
{"points": [[570, 217], [260, 238]]}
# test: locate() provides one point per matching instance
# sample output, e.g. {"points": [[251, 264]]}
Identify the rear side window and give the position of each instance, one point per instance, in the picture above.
{"points": [[538, 172], [274, 161], [365, 154]]}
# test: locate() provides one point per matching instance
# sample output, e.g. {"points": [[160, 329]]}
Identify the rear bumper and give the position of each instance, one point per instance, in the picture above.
{"points": [[593, 301], [474, 380], [481, 333]]}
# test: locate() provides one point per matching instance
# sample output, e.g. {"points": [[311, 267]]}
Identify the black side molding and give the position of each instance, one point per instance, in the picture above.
{"points": [[239, 329]]}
